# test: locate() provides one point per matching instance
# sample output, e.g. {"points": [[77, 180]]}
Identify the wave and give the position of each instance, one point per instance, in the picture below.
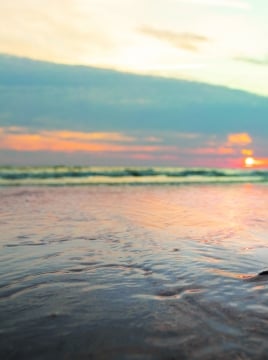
{"points": [[63, 175]]}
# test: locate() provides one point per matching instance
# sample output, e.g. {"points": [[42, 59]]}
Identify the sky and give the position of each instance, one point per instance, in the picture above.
{"points": [[124, 82]]}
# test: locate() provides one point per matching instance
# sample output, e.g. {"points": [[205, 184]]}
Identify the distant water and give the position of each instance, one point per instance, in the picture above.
{"points": [[62, 175], [133, 272]]}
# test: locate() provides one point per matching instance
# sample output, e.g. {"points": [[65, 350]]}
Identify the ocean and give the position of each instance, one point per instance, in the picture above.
{"points": [[79, 175], [167, 263]]}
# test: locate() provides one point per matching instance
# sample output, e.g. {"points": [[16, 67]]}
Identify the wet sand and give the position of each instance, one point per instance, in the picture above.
{"points": [[134, 272]]}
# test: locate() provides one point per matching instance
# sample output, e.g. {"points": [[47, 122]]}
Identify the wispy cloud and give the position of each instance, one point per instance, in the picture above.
{"points": [[20, 139], [186, 41], [36, 28], [256, 61], [188, 148], [212, 151], [88, 136]]}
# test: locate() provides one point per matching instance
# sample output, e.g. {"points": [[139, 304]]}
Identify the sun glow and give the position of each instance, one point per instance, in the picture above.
{"points": [[249, 161]]}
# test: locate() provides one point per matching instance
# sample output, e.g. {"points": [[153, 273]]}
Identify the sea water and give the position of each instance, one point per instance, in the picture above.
{"points": [[134, 272], [80, 175]]}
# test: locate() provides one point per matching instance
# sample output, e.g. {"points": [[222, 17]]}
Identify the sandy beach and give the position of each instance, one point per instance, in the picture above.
{"points": [[134, 272]]}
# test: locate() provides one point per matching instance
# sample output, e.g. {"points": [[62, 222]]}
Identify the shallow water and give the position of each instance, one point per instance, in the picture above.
{"points": [[134, 272]]}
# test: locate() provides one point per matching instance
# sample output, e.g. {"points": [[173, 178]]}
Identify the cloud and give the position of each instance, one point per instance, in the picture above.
{"points": [[50, 31], [222, 147], [84, 113], [256, 61], [71, 141], [247, 152], [239, 139], [47, 96], [185, 149], [186, 41], [212, 151], [86, 136]]}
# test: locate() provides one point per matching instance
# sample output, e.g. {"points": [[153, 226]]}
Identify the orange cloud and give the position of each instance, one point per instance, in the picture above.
{"points": [[92, 136], [68, 141], [239, 139], [247, 152]]}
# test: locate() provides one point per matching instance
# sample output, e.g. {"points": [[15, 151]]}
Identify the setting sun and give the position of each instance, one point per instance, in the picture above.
{"points": [[249, 161]]}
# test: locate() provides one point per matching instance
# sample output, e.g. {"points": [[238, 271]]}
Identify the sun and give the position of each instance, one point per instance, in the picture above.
{"points": [[249, 161]]}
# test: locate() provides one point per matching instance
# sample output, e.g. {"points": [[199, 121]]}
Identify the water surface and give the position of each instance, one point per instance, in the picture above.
{"points": [[134, 272]]}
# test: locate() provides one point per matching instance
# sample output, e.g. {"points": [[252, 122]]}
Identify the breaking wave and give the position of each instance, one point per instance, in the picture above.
{"points": [[63, 175]]}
